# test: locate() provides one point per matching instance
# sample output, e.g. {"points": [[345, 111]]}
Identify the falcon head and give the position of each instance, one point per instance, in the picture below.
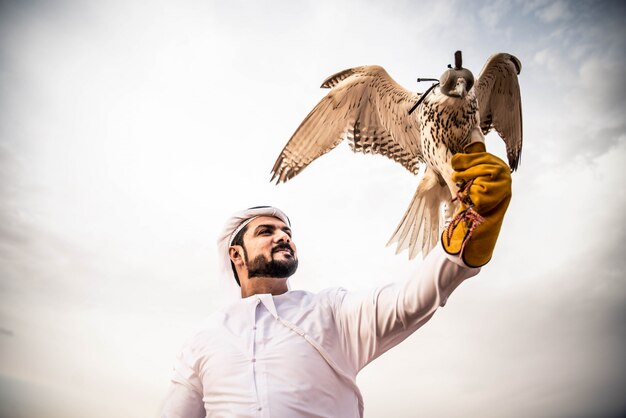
{"points": [[457, 81]]}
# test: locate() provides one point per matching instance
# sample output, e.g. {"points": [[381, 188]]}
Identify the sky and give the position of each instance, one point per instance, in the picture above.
{"points": [[131, 130]]}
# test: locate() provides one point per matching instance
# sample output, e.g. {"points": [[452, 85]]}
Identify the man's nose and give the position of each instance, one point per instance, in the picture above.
{"points": [[282, 236]]}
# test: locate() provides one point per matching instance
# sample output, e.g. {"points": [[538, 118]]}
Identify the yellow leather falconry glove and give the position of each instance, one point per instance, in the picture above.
{"points": [[485, 182]]}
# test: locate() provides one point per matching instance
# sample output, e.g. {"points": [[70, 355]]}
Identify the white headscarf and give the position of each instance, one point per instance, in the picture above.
{"points": [[229, 287]]}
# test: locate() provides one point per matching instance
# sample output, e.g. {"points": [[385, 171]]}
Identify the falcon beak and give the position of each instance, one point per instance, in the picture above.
{"points": [[460, 90]]}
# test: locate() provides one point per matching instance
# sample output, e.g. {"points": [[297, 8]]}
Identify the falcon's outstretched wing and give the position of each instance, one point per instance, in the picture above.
{"points": [[500, 103], [366, 106]]}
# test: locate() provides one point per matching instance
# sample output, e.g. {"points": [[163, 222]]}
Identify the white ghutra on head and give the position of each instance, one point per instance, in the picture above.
{"points": [[378, 116]]}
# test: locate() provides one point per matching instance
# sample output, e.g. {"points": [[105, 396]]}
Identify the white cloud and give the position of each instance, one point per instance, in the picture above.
{"points": [[492, 13], [555, 11], [531, 5]]}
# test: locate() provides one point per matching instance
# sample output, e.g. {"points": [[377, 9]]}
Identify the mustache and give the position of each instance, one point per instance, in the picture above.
{"points": [[282, 246]]}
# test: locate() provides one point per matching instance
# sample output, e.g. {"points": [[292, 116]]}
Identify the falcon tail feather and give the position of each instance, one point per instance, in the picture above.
{"points": [[420, 227]]}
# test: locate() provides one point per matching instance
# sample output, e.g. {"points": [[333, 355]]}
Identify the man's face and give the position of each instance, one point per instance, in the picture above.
{"points": [[268, 248]]}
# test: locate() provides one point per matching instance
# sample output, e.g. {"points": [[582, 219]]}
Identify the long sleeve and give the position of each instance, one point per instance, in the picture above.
{"points": [[182, 402], [373, 322], [184, 399]]}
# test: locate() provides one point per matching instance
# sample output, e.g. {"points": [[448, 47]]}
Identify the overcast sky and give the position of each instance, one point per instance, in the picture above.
{"points": [[130, 130]]}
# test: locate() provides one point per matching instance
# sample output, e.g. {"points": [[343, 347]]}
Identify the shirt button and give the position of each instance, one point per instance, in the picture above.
{"points": [[259, 409], [254, 360], [254, 328]]}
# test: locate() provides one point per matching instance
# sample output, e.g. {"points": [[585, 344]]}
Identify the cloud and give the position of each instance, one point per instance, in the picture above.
{"points": [[558, 10], [6, 332], [492, 13], [21, 398], [577, 93]]}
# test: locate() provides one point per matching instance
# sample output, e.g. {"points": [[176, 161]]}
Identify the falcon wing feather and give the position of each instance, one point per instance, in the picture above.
{"points": [[364, 105], [500, 104]]}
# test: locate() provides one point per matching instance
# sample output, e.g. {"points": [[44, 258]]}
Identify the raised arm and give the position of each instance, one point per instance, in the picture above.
{"points": [[373, 322]]}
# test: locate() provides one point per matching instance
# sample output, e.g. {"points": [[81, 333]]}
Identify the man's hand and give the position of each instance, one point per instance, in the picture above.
{"points": [[485, 182]]}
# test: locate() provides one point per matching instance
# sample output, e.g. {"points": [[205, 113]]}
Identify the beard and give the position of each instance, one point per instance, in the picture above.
{"points": [[260, 266]]}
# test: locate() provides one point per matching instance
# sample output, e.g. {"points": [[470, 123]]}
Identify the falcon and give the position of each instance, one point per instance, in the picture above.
{"points": [[419, 131]]}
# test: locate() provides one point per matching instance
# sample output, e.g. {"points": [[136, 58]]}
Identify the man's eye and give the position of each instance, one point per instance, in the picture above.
{"points": [[264, 232]]}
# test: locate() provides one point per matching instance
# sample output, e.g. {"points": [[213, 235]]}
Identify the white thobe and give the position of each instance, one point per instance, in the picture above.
{"points": [[298, 354]]}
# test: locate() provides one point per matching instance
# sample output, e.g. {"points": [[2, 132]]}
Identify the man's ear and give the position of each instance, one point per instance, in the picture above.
{"points": [[235, 252]]}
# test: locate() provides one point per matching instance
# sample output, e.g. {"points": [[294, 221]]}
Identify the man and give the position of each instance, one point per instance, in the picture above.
{"points": [[281, 353]]}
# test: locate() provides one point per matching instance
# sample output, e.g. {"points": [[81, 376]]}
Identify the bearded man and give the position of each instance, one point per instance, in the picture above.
{"points": [[276, 352]]}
